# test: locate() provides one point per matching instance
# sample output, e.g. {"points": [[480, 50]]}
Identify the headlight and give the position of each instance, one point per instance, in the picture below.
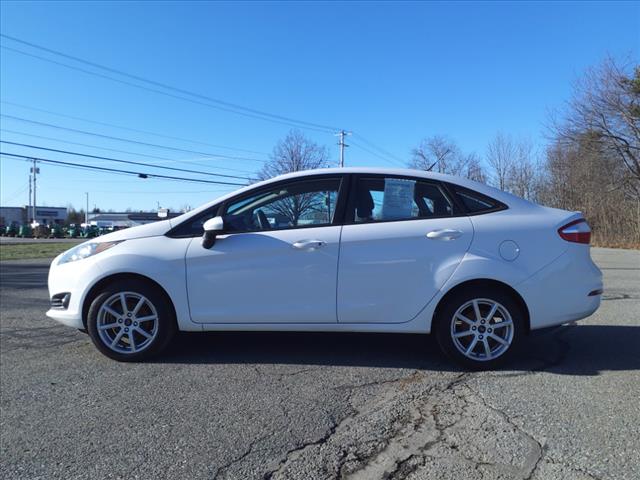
{"points": [[86, 250]]}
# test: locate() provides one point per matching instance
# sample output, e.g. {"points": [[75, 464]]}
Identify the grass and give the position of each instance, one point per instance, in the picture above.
{"points": [[24, 251]]}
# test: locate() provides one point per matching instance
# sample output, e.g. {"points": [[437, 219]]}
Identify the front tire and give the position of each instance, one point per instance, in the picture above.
{"points": [[131, 321], [479, 328]]}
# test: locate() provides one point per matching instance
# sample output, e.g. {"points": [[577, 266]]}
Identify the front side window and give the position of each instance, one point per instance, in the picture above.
{"points": [[384, 199], [292, 205]]}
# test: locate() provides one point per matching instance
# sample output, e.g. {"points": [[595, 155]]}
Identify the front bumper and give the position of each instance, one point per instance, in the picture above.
{"points": [[72, 278]]}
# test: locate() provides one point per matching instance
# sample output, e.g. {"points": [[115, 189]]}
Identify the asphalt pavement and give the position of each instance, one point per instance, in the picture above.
{"points": [[20, 240], [319, 406]]}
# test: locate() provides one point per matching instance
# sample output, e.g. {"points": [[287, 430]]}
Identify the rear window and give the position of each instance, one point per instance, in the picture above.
{"points": [[475, 202]]}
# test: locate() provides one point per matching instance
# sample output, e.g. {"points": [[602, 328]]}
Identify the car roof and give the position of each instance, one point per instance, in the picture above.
{"points": [[504, 197]]}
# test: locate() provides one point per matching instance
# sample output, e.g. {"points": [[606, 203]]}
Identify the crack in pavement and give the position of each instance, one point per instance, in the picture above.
{"points": [[405, 428], [240, 458]]}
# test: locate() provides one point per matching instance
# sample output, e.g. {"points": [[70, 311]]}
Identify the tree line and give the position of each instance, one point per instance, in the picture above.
{"points": [[590, 163]]}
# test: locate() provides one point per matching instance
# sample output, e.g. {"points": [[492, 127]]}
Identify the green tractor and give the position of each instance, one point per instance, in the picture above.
{"points": [[25, 231], [91, 231], [12, 229], [56, 231], [73, 231]]}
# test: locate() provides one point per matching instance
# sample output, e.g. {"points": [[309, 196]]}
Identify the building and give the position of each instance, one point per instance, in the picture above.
{"points": [[43, 215], [128, 219]]}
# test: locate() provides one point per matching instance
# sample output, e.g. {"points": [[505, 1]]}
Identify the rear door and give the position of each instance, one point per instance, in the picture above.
{"points": [[403, 239]]}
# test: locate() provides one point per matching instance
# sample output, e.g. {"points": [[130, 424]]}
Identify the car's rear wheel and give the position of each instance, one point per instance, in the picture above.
{"points": [[479, 328], [131, 321]]}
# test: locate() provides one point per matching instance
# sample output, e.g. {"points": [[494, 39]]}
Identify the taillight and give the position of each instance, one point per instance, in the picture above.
{"points": [[577, 231]]}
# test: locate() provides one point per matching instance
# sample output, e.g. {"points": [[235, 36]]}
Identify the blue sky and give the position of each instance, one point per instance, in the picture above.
{"points": [[391, 72]]}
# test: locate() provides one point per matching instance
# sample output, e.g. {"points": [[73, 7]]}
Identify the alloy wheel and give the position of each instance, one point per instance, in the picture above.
{"points": [[127, 322], [482, 329]]}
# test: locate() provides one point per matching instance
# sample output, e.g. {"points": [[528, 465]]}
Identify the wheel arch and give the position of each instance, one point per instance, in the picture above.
{"points": [[487, 283], [101, 284]]}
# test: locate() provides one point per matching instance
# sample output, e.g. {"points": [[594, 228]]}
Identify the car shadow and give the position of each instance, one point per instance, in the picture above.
{"points": [[572, 350]]}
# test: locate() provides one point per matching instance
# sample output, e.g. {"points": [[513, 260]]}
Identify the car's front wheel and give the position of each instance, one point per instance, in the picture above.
{"points": [[131, 321], [479, 328]]}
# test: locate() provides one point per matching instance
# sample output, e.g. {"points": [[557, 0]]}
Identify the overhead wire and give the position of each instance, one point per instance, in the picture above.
{"points": [[114, 170], [129, 162], [381, 150], [210, 101], [171, 160], [128, 140], [375, 154], [136, 130]]}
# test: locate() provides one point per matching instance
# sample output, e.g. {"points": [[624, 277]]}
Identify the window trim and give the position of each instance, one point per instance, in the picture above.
{"points": [[220, 208], [345, 207], [353, 195]]}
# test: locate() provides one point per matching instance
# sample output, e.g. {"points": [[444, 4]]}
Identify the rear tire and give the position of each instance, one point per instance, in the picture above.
{"points": [[131, 321], [479, 328]]}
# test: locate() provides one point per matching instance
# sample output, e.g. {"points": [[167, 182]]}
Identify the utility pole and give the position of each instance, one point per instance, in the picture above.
{"points": [[86, 210], [34, 170], [29, 210], [341, 143]]}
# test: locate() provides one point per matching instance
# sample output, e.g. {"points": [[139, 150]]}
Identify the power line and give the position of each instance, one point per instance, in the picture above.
{"points": [[129, 162], [221, 104], [17, 193], [137, 142], [141, 87], [172, 160], [146, 132], [114, 170], [379, 149], [375, 154]]}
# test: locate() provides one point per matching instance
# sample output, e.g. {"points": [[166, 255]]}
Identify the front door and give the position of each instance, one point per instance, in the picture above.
{"points": [[404, 243], [277, 261]]}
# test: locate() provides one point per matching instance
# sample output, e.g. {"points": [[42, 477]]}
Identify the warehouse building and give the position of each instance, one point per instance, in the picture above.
{"points": [[128, 219], [42, 215]]}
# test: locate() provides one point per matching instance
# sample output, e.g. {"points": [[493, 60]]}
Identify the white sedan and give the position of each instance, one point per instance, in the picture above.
{"points": [[337, 250]]}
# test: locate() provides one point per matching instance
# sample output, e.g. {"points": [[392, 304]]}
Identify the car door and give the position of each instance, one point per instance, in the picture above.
{"points": [[277, 261], [402, 240]]}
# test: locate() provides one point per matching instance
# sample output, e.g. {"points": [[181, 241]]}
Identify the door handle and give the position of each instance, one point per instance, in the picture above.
{"points": [[308, 244], [445, 234]]}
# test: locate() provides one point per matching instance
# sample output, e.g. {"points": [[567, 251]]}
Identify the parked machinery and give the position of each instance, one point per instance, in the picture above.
{"points": [[25, 231], [56, 231], [41, 231], [12, 229]]}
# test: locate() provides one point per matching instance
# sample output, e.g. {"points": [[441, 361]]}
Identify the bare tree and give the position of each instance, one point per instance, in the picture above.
{"points": [[606, 104], [579, 178], [437, 152], [502, 154], [473, 168], [294, 153], [441, 154], [524, 176]]}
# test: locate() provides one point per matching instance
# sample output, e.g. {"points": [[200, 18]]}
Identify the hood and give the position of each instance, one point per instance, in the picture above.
{"points": [[149, 230]]}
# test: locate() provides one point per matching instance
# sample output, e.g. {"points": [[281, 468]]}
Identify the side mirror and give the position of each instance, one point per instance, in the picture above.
{"points": [[212, 228]]}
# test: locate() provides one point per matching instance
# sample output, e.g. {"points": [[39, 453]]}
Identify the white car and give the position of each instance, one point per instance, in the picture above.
{"points": [[337, 250]]}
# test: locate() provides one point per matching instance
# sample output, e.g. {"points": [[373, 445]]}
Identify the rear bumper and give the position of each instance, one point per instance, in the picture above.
{"points": [[563, 291]]}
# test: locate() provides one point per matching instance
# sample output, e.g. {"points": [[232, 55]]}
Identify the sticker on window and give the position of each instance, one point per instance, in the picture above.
{"points": [[398, 198]]}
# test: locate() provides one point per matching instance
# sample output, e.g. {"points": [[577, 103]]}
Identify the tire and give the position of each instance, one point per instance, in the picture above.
{"points": [[147, 321], [496, 338]]}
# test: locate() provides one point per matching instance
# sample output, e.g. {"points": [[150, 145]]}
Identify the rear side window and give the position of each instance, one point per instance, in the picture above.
{"points": [[382, 199], [475, 202]]}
